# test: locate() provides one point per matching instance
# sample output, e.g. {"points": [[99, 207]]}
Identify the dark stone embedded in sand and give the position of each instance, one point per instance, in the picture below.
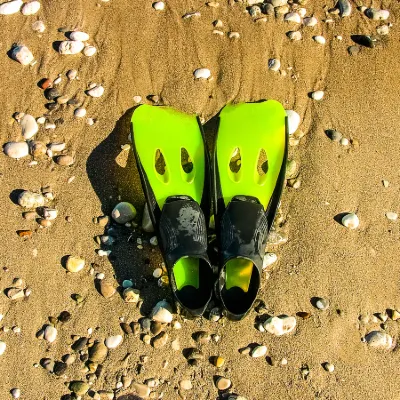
{"points": [[202, 337], [135, 326], [156, 327], [51, 93], [126, 328], [64, 316], [60, 368], [79, 388], [364, 40], [79, 344]]}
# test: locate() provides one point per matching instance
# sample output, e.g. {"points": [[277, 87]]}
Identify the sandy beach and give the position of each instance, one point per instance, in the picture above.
{"points": [[153, 53]]}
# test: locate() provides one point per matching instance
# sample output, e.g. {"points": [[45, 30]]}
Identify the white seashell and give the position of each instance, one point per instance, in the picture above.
{"points": [[56, 147], [22, 54], [50, 333], [382, 30], [16, 150], [49, 213], [281, 325], [317, 95], [319, 39], [97, 91], [89, 51], [72, 74], [202, 73], [274, 64], [29, 126], [29, 199], [157, 273], [234, 35], [310, 21], [15, 393], [162, 312], [79, 36], [113, 342], [294, 35], [329, 367], [70, 47], [351, 221], [30, 8], [39, 26], [302, 12], [80, 112], [159, 5], [2, 348], [379, 340], [293, 17], [344, 141], [392, 216], [50, 125], [344, 8], [269, 259], [293, 121], [57, 81], [11, 7], [137, 100], [259, 351], [376, 14]]}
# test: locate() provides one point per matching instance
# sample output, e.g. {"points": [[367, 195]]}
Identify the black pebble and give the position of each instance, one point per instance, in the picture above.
{"points": [[79, 344], [59, 368], [51, 93], [51, 106], [65, 316]]}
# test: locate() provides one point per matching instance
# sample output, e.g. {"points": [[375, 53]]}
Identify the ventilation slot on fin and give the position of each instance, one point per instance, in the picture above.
{"points": [[262, 163], [236, 161], [186, 162], [159, 162]]}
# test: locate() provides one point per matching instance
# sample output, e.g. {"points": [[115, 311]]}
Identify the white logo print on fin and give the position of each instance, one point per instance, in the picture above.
{"points": [[187, 220]]}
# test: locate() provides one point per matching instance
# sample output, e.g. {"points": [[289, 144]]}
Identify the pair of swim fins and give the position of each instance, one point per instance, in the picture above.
{"points": [[243, 184]]}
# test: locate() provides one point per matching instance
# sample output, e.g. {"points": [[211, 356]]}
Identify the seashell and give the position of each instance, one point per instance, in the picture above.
{"points": [[202, 73], [70, 47], [96, 91], [29, 199], [11, 7], [351, 221], [39, 26], [294, 35], [281, 325], [302, 12], [344, 8], [72, 74], [80, 112], [89, 51], [113, 342], [310, 21], [192, 14], [131, 295], [79, 36], [379, 340], [49, 214], [274, 64], [259, 351], [293, 121], [233, 35], [74, 264], [29, 126], [162, 312], [376, 14], [22, 54], [293, 17], [30, 8], [392, 216], [16, 150], [319, 39], [269, 259], [317, 95], [56, 147], [2, 348], [159, 5], [50, 333]]}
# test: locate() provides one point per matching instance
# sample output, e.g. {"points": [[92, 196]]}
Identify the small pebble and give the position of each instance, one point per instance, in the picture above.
{"points": [[268, 260], [293, 17], [16, 150], [22, 54], [281, 325], [74, 264], [30, 8], [219, 362], [344, 141], [39, 26], [319, 39], [318, 95], [131, 295], [3, 347], [310, 21], [11, 7], [392, 216], [72, 74], [274, 64], [141, 390], [89, 51], [96, 91], [259, 351], [29, 126], [294, 35], [162, 312], [29, 199], [376, 14], [185, 384], [80, 112], [160, 340], [379, 340], [293, 121], [159, 5], [223, 383], [175, 345], [50, 333], [98, 352], [351, 221], [329, 367], [113, 342], [80, 388], [202, 73], [382, 30], [157, 273], [64, 160], [79, 36], [123, 212], [106, 289], [234, 35], [322, 304], [15, 393], [68, 47]]}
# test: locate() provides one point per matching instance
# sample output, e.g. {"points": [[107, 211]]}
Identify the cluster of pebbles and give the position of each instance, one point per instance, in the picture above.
{"points": [[159, 329]]}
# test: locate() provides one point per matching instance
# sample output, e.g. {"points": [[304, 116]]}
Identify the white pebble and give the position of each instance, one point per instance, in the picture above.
{"points": [[50, 333], [317, 95], [39, 26], [233, 35], [293, 17], [202, 73], [294, 35], [80, 112], [137, 100], [2, 348], [157, 273], [310, 21], [344, 8], [274, 64], [379, 340], [319, 39], [57, 81], [89, 51], [159, 5], [29, 126], [16, 150], [338, 37], [22, 54], [56, 147], [392, 216], [96, 91], [376, 14], [329, 367], [79, 36], [29, 199], [11, 7], [15, 393], [344, 141], [30, 8], [382, 30], [100, 276], [90, 121], [162, 312], [351, 221], [72, 74], [281, 325], [269, 259], [259, 351], [104, 253], [293, 121], [70, 47], [113, 342], [154, 241]]}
